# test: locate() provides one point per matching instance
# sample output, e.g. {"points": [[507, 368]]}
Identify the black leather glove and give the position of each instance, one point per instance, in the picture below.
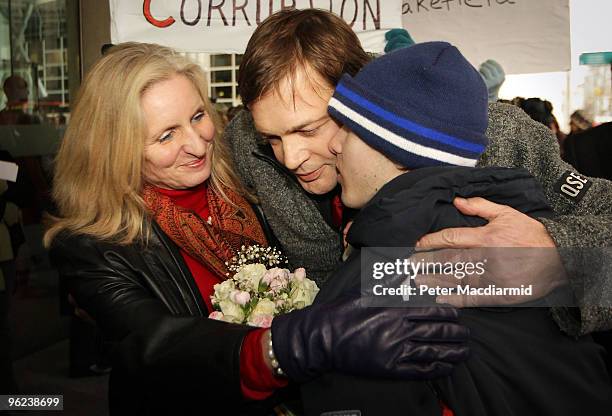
{"points": [[399, 343]]}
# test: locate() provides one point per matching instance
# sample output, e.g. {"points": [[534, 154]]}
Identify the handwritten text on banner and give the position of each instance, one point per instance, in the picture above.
{"points": [[522, 35]]}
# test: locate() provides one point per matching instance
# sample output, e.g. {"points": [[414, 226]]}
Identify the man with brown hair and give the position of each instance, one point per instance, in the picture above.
{"points": [[306, 52], [282, 148], [288, 74]]}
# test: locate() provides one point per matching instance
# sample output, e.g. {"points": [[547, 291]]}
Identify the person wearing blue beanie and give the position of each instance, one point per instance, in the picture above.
{"points": [[414, 126], [290, 70], [424, 105]]}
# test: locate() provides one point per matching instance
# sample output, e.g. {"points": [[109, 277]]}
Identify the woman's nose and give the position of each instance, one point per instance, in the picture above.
{"points": [[195, 142]]}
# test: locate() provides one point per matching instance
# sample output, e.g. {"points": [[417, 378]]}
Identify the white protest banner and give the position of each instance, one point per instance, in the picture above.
{"points": [[224, 26], [522, 35]]}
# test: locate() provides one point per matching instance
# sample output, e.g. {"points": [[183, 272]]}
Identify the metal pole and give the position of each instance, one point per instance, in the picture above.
{"points": [[10, 21]]}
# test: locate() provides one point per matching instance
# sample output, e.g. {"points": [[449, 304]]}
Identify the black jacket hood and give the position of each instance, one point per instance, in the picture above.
{"points": [[420, 201]]}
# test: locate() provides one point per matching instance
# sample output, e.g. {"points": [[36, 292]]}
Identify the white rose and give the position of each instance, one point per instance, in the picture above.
{"points": [[303, 293], [262, 314], [251, 274], [223, 290], [231, 311], [264, 307]]}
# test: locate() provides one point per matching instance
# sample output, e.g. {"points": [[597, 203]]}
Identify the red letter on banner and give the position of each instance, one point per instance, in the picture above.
{"points": [[146, 10]]}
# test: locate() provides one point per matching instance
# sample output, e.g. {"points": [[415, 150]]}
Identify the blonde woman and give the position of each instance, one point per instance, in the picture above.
{"points": [[149, 210]]}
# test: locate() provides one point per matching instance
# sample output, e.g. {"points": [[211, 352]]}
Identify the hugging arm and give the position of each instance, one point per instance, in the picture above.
{"points": [[583, 216]]}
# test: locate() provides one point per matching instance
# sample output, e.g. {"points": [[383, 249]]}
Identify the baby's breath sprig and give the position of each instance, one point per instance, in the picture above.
{"points": [[268, 256]]}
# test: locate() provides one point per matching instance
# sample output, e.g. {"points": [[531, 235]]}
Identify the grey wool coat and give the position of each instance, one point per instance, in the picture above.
{"points": [[583, 216]]}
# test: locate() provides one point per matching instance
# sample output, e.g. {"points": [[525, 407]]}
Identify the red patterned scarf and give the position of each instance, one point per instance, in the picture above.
{"points": [[213, 240]]}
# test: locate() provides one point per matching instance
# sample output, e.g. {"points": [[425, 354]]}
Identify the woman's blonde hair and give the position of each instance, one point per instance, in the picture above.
{"points": [[98, 179]]}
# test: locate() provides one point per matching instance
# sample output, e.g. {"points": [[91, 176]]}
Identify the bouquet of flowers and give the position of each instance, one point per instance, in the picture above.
{"points": [[259, 289]]}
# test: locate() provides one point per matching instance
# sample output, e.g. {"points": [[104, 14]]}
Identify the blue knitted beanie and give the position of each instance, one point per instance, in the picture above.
{"points": [[424, 105]]}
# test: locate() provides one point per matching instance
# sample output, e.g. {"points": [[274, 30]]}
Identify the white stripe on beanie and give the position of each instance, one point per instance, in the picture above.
{"points": [[402, 143]]}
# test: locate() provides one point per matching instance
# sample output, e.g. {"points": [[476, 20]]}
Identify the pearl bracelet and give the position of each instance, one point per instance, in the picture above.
{"points": [[275, 366]]}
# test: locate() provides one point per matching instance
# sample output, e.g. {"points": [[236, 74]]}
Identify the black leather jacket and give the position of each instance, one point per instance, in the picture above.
{"points": [[170, 358]]}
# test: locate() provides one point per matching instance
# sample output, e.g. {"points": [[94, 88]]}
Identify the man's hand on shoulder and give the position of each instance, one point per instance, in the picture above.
{"points": [[507, 227], [517, 248]]}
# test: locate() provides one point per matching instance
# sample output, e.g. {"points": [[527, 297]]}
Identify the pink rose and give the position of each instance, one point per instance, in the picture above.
{"points": [[300, 274], [216, 315], [262, 321], [276, 279], [240, 297]]}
